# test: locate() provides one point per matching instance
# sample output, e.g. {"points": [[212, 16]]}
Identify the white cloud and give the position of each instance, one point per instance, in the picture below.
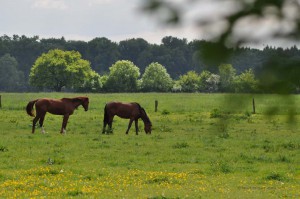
{"points": [[104, 2], [50, 4], [118, 20]]}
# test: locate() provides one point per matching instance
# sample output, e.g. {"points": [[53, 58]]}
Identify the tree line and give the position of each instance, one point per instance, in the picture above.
{"points": [[174, 65]]}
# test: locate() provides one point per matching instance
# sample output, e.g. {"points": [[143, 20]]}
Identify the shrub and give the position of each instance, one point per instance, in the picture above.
{"points": [[3, 149], [75, 193], [216, 113], [276, 176], [165, 112]]}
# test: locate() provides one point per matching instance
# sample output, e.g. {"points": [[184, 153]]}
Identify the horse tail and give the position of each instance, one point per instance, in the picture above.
{"points": [[29, 107], [105, 119]]}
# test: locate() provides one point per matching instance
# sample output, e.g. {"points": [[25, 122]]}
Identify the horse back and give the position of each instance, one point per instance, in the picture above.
{"points": [[123, 110], [54, 106]]}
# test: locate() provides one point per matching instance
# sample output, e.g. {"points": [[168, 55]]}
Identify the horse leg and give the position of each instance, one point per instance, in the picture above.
{"points": [[136, 126], [34, 122], [104, 126], [64, 124], [41, 122], [129, 125], [110, 121]]}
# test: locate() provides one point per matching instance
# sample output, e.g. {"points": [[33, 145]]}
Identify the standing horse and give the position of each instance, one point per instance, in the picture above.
{"points": [[64, 106], [132, 111]]}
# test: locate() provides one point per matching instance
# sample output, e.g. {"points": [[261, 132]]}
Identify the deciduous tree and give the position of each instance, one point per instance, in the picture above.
{"points": [[57, 69], [227, 74], [156, 78], [10, 78], [189, 82], [123, 77], [246, 82]]}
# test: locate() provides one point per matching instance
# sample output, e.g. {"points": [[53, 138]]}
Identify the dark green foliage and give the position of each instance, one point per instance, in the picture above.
{"points": [[221, 167], [101, 52], [276, 176], [216, 113], [291, 145], [158, 180], [180, 145], [178, 56], [11, 79], [75, 193], [3, 149], [165, 112]]}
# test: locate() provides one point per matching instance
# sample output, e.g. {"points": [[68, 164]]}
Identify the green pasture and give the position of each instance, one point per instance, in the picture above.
{"points": [[201, 146]]}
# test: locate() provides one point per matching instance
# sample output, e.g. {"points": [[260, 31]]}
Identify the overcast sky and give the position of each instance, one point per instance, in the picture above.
{"points": [[114, 19], [83, 20]]}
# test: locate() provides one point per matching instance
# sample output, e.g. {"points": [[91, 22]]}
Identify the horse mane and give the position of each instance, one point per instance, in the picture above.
{"points": [[143, 112], [65, 98], [75, 99]]}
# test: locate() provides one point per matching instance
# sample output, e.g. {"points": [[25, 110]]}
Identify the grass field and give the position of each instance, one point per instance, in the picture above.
{"points": [[201, 146]]}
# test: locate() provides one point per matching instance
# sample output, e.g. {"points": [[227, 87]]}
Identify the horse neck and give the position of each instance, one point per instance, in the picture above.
{"points": [[145, 119], [76, 102]]}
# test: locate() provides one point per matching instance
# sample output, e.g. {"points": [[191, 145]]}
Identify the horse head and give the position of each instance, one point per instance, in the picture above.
{"points": [[148, 128], [85, 103]]}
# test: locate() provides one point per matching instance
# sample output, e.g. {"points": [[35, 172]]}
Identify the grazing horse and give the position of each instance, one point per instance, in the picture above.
{"points": [[64, 106], [132, 111]]}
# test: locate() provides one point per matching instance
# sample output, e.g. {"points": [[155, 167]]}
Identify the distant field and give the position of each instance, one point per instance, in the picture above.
{"points": [[202, 145]]}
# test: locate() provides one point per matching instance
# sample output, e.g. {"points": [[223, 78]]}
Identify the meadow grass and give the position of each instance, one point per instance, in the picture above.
{"points": [[201, 146]]}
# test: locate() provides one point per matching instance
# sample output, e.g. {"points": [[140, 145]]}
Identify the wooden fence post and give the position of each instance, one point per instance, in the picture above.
{"points": [[156, 105], [253, 105], [0, 102]]}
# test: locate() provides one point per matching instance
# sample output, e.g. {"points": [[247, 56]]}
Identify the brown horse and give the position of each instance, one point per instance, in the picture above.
{"points": [[64, 106], [132, 111]]}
